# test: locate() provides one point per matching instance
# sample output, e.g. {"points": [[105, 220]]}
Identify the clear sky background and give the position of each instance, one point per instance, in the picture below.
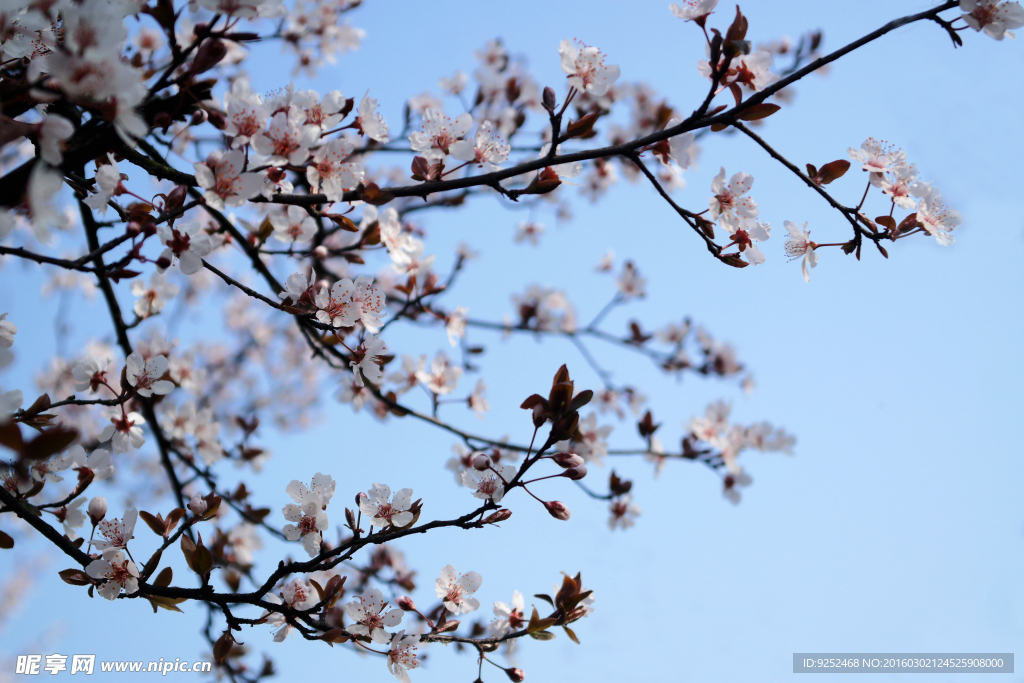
{"points": [[896, 527]]}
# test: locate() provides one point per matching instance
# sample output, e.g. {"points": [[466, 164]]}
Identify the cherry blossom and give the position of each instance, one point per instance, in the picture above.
{"points": [[937, 219], [693, 10], [408, 377], [309, 514], [993, 16], [487, 150], [585, 67], [293, 225], [225, 183], [477, 401], [329, 171], [731, 483], [188, 243], [296, 594], [366, 360], [245, 9], [728, 199], [455, 325], [489, 484], [116, 533], [529, 231], [714, 423], [244, 540], [383, 510], [97, 462], [72, 517], [152, 299], [145, 375], [119, 572], [623, 513], [750, 72], [370, 121], [902, 185], [324, 113], [878, 156], [800, 245], [454, 588], [108, 180], [442, 377], [367, 611], [246, 114], [124, 431], [402, 656], [285, 141], [53, 131], [745, 233], [510, 618], [439, 134]]}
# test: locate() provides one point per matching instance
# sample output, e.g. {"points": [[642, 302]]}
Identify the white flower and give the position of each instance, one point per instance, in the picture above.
{"points": [[453, 588], [370, 121], [7, 331], [293, 225], [902, 185], [993, 16], [489, 485], [119, 571], [145, 375], [509, 618], [54, 130], [714, 423], [407, 378], [152, 299], [285, 142], [594, 445], [124, 431], [383, 510], [878, 156], [402, 656], [455, 325], [586, 68], [365, 360], [752, 72], [245, 540], [729, 200], [442, 377], [107, 181], [98, 462], [439, 134], [731, 481], [10, 402], [693, 9], [623, 512], [745, 232], [800, 245], [225, 183], [188, 243], [329, 173], [529, 231], [937, 219], [569, 169], [477, 401], [72, 517], [309, 513], [116, 532], [489, 150], [367, 611]]}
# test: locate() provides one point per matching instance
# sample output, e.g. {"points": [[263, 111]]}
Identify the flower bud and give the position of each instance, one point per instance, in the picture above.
{"points": [[361, 497], [498, 516], [163, 263], [481, 462], [575, 473], [449, 626], [557, 510], [199, 117], [515, 675], [567, 460], [548, 99], [197, 505], [133, 229], [217, 120], [97, 509], [320, 253], [406, 603]]}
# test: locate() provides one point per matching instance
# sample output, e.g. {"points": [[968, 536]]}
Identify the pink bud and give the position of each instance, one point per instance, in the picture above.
{"points": [[199, 117], [557, 510], [320, 253], [575, 473], [97, 509], [406, 603], [163, 263], [567, 460], [197, 505], [481, 462], [515, 675]]}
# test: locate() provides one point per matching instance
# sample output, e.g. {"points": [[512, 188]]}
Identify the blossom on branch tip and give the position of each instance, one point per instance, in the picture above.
{"points": [[108, 180], [145, 375], [442, 377], [937, 219], [585, 68], [383, 510], [116, 532], [402, 656], [745, 232], [693, 10], [994, 17], [623, 512], [799, 245], [510, 617], [372, 123], [439, 134], [453, 589], [487, 150], [186, 241], [729, 200], [225, 183], [366, 360], [367, 611], [119, 572], [489, 484], [878, 156], [309, 514], [124, 431]]}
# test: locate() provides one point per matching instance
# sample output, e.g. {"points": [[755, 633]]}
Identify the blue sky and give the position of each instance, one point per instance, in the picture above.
{"points": [[896, 527]]}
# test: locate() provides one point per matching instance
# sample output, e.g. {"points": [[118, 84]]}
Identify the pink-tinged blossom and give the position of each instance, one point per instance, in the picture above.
{"points": [[116, 532], [145, 375], [731, 483], [439, 134], [186, 241], [293, 225], [383, 510], [402, 656], [7, 331], [285, 141], [328, 172], [454, 588], [455, 325], [623, 513], [488, 149], [124, 431], [53, 131], [43, 185], [97, 462], [246, 114], [938, 220], [72, 517], [298, 595], [878, 156], [324, 113], [225, 183], [729, 200], [993, 17], [751, 72], [119, 572], [714, 424], [477, 401], [489, 484], [442, 377], [902, 185], [90, 373], [151, 299], [407, 378], [745, 233], [454, 84], [529, 231], [367, 611], [630, 283], [510, 617], [593, 443], [692, 10], [309, 515], [585, 68], [246, 9], [366, 360], [569, 169], [799, 245], [370, 121], [108, 180]]}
